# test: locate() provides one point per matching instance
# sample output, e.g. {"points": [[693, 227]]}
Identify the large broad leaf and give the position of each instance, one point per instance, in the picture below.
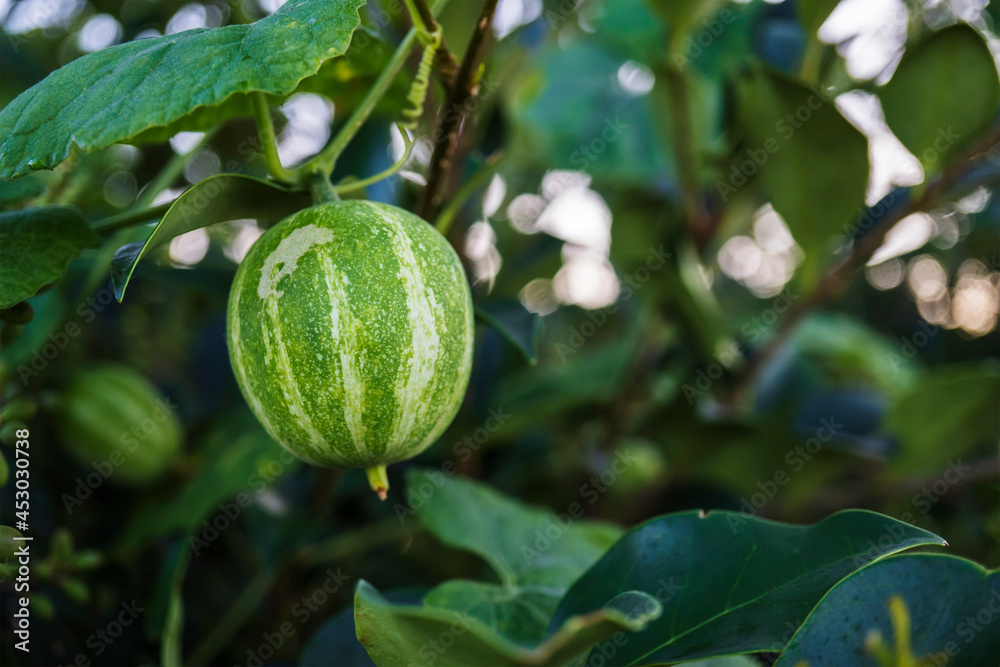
{"points": [[116, 94], [536, 554], [218, 198], [522, 544], [35, 246], [949, 412], [935, 127], [412, 635], [730, 582], [952, 605], [813, 164]]}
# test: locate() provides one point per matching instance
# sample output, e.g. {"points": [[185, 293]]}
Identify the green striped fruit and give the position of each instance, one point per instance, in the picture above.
{"points": [[113, 419], [350, 334]]}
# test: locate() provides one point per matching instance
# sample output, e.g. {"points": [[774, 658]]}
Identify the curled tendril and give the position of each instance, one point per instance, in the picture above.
{"points": [[418, 90]]}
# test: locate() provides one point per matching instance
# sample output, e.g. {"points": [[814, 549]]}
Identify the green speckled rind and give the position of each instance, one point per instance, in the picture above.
{"points": [[350, 331]]}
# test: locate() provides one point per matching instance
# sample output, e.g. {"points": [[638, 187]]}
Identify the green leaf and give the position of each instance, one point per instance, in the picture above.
{"points": [[36, 246], [731, 582], [219, 198], [523, 545], [536, 554], [22, 189], [114, 95], [936, 127], [515, 324], [946, 414], [813, 13], [395, 635], [336, 644], [812, 163], [946, 597]]}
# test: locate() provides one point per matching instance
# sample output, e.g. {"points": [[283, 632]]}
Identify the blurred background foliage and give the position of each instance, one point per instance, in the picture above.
{"points": [[651, 336]]}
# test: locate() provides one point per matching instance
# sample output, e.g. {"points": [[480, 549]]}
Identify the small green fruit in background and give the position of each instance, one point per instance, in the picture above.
{"points": [[110, 415], [646, 465], [350, 330]]}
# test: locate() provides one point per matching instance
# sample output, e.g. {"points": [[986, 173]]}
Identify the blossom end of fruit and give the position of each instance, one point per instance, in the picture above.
{"points": [[379, 481]]}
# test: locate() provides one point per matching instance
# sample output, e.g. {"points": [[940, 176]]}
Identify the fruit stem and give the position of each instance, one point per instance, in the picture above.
{"points": [[322, 189], [379, 481]]}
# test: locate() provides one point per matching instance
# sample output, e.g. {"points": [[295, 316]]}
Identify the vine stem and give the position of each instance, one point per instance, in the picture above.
{"points": [[171, 170], [128, 218], [232, 620], [448, 213], [326, 160], [453, 113], [837, 279], [269, 141], [687, 160]]}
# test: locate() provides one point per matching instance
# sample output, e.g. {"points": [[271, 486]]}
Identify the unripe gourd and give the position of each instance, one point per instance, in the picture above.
{"points": [[112, 417], [350, 331]]}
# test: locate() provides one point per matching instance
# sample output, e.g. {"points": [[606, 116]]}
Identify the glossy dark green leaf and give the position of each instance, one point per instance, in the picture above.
{"points": [[36, 244], [219, 198], [952, 603], [515, 324], [412, 635], [730, 582], [935, 127], [947, 413], [812, 163], [116, 94]]}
